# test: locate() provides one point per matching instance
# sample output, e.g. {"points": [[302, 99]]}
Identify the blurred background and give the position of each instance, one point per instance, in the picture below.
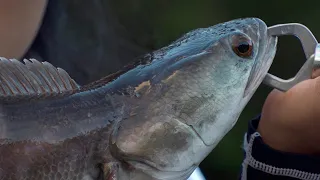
{"points": [[91, 39]]}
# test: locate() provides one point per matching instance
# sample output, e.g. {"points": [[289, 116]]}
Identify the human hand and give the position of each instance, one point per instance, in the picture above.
{"points": [[290, 121]]}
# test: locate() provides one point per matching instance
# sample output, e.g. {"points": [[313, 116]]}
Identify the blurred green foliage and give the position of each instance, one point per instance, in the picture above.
{"points": [[156, 23]]}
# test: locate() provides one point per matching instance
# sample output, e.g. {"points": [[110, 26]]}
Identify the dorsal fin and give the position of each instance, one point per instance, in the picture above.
{"points": [[33, 80]]}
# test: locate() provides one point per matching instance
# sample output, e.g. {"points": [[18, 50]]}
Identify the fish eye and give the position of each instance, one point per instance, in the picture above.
{"points": [[242, 46]]}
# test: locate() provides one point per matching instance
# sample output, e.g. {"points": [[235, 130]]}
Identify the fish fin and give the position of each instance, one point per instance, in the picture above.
{"points": [[110, 171], [33, 80]]}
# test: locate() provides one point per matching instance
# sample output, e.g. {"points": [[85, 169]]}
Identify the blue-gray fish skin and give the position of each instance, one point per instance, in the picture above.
{"points": [[156, 119]]}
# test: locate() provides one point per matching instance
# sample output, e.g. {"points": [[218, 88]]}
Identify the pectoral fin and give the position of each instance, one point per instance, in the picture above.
{"points": [[110, 171], [33, 80]]}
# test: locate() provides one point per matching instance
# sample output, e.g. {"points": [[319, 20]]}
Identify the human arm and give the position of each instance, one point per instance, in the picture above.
{"points": [[19, 24], [284, 140], [264, 162]]}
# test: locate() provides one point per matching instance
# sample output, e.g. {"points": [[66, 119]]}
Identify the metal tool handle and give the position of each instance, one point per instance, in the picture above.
{"points": [[317, 58], [304, 73], [307, 39], [309, 44]]}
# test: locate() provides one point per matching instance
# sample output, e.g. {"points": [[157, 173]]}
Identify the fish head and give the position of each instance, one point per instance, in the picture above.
{"points": [[200, 85]]}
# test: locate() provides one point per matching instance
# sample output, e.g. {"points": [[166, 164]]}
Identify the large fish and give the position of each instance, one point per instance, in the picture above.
{"points": [[158, 118]]}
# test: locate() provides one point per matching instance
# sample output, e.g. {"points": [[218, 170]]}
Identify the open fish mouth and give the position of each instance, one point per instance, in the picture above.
{"points": [[261, 66]]}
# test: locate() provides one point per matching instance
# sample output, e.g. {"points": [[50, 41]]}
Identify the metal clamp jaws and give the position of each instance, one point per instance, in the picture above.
{"points": [[311, 51]]}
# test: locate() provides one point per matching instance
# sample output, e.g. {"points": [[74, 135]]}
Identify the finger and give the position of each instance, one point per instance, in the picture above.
{"points": [[315, 73], [316, 90]]}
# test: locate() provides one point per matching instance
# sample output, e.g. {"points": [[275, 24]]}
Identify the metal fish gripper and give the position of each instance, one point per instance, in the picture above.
{"points": [[311, 49]]}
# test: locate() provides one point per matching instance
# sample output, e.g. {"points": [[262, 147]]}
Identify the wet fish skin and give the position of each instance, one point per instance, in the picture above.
{"points": [[156, 119]]}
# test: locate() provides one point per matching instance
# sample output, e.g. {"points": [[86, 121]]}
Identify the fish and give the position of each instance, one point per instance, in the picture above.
{"points": [[157, 118]]}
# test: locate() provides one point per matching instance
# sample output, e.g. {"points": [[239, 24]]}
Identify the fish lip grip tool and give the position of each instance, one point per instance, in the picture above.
{"points": [[311, 50]]}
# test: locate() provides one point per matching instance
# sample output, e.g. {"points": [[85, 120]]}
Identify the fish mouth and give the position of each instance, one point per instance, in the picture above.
{"points": [[263, 63], [160, 174], [149, 168]]}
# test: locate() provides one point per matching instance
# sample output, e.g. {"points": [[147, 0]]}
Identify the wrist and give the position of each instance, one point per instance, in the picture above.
{"points": [[263, 162]]}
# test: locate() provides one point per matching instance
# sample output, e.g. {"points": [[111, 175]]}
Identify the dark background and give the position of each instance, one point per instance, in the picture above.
{"points": [[91, 39]]}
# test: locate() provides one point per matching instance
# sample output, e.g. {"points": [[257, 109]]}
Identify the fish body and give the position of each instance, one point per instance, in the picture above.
{"points": [[158, 118]]}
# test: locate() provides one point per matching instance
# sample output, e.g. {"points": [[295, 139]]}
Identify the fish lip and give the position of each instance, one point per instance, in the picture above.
{"points": [[135, 160], [258, 71], [172, 174]]}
